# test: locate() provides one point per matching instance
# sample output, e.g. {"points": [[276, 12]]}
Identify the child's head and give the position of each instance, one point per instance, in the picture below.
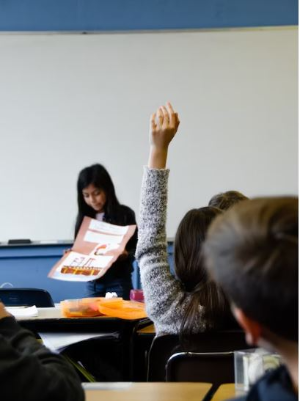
{"points": [[226, 200], [190, 269], [95, 193], [252, 252]]}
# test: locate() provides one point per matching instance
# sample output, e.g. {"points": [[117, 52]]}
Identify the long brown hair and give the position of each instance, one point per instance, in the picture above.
{"points": [[191, 271]]}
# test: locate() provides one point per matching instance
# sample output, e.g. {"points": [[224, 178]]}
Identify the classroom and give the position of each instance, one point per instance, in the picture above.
{"points": [[80, 80]]}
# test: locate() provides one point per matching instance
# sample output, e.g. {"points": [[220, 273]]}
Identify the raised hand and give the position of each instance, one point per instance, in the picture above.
{"points": [[163, 127]]}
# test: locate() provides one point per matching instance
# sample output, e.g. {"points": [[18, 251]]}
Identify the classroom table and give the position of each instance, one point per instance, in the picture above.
{"points": [[149, 329], [227, 392], [52, 320], [147, 391]]}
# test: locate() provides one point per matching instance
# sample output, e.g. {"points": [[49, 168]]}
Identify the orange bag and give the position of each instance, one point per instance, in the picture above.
{"points": [[117, 307]]}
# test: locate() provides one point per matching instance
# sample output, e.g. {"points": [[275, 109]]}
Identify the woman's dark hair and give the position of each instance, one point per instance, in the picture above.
{"points": [[191, 271], [98, 176], [225, 200]]}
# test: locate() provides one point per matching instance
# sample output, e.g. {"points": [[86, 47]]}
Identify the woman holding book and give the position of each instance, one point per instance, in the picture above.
{"points": [[97, 199]]}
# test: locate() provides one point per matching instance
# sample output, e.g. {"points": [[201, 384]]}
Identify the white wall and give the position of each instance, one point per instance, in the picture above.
{"points": [[68, 101]]}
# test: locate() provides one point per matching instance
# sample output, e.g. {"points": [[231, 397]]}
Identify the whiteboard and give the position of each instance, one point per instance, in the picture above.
{"points": [[70, 100]]}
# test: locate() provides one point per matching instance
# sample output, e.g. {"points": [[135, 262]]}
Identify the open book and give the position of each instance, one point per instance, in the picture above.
{"points": [[98, 245]]}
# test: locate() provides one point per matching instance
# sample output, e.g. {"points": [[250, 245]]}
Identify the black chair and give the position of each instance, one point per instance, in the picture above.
{"points": [[140, 345], [164, 347], [211, 367], [26, 297]]}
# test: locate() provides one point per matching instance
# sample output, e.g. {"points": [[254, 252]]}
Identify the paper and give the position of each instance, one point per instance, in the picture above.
{"points": [[21, 311], [98, 245], [59, 341]]}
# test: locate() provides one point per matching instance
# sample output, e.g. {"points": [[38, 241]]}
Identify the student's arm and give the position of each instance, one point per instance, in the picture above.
{"points": [[29, 371], [164, 296]]}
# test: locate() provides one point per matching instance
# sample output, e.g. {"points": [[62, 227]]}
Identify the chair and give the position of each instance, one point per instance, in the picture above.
{"points": [[211, 367], [26, 296], [164, 347]]}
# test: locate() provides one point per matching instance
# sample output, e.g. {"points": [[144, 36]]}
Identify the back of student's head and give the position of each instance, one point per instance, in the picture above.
{"points": [[252, 251], [191, 271], [98, 176], [225, 200]]}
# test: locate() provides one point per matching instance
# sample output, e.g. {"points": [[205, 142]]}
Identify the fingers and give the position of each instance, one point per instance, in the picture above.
{"points": [[172, 115], [152, 122], [159, 117], [177, 120], [165, 117]]}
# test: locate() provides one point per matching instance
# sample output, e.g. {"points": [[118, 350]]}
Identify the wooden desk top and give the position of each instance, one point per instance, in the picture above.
{"points": [[226, 392], [52, 320], [147, 330], [147, 391]]}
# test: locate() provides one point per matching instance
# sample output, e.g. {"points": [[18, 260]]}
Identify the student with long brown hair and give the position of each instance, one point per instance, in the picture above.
{"points": [[190, 302]]}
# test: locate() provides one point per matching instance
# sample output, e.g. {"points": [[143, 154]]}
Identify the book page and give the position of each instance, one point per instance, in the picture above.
{"points": [[97, 246]]}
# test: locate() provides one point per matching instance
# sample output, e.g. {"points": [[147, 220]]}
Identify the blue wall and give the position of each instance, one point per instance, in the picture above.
{"points": [[122, 15], [28, 267]]}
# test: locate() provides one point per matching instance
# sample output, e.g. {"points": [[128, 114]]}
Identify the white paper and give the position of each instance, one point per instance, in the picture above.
{"points": [[93, 252], [107, 228], [98, 238], [21, 311], [59, 341], [78, 259]]}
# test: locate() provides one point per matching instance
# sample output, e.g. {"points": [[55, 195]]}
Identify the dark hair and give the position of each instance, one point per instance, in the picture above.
{"points": [[225, 200], [99, 177], [190, 270], [252, 251]]}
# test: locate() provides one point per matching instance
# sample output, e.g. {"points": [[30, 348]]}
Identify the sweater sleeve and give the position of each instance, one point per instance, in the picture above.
{"points": [[165, 298], [30, 372]]}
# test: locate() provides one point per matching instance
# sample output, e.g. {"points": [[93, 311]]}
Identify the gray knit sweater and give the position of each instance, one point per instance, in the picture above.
{"points": [[163, 293]]}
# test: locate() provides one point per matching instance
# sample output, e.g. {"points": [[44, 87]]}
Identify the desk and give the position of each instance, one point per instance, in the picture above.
{"points": [[52, 320], [226, 392], [147, 330], [148, 392]]}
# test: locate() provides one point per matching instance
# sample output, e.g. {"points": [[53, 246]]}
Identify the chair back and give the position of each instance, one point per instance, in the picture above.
{"points": [[26, 297], [164, 347], [211, 367]]}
